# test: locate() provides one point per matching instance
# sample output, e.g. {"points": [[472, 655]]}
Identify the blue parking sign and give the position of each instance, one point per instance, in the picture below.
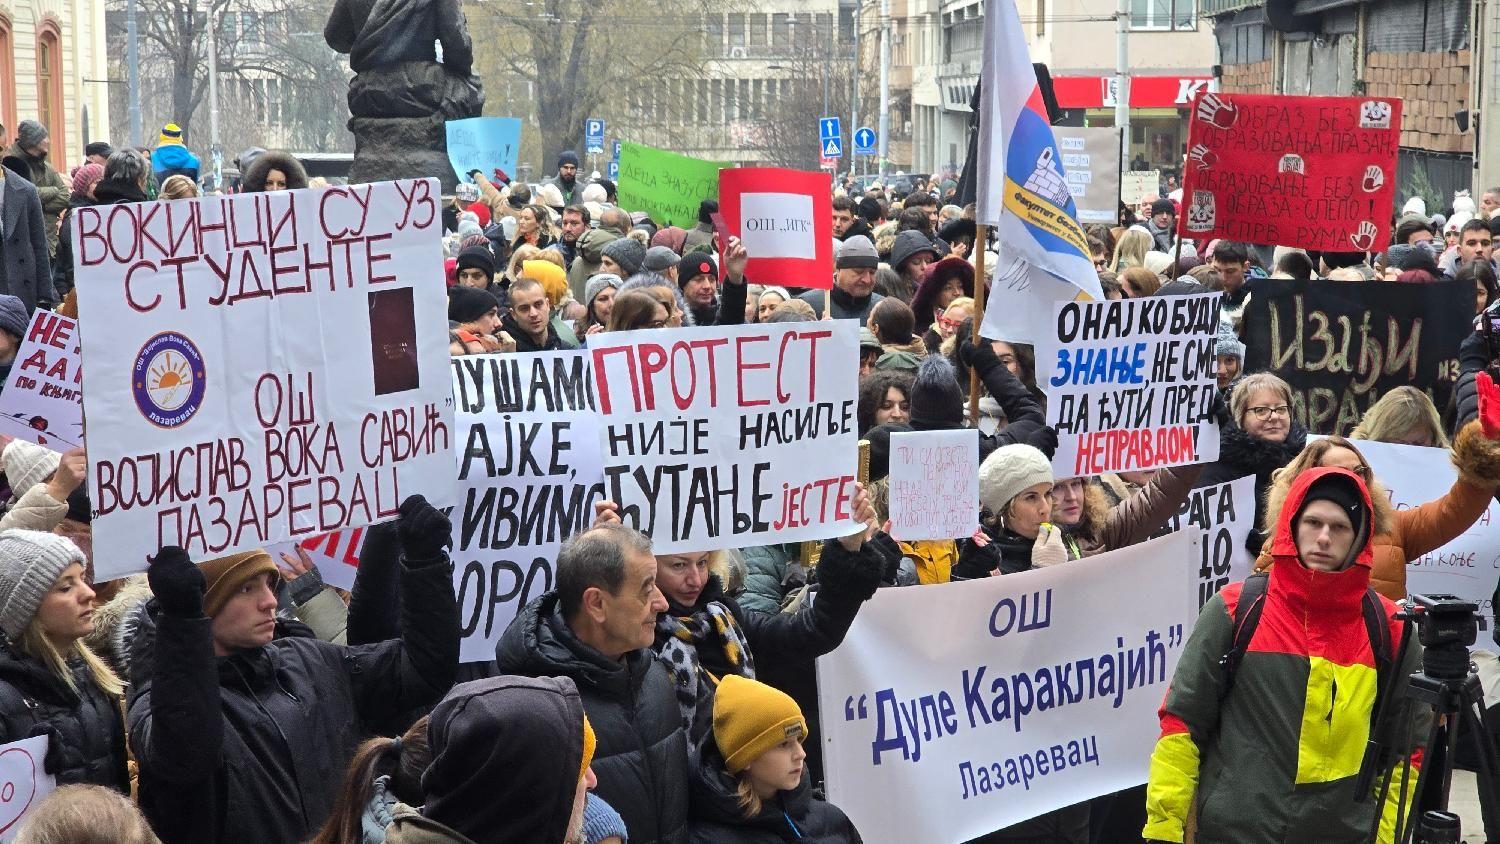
{"points": [[593, 135]]}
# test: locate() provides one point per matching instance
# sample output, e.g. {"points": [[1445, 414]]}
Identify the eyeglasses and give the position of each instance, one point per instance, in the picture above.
{"points": [[949, 324], [1264, 412], [1099, 263]]}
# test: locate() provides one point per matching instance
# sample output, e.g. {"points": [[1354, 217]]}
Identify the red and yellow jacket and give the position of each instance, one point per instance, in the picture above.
{"points": [[1275, 758]]}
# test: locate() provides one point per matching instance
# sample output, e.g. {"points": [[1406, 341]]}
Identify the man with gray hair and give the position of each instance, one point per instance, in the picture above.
{"points": [[597, 628], [32, 140]]}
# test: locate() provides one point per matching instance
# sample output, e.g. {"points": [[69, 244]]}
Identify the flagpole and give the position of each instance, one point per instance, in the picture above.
{"points": [[981, 239]]}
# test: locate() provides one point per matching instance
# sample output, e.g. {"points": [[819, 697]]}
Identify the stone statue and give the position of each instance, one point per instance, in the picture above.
{"points": [[402, 91]]}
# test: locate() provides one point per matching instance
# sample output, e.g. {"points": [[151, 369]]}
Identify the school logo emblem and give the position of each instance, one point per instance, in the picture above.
{"points": [[168, 380]]}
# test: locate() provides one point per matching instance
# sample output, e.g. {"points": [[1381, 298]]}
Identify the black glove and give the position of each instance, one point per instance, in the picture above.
{"points": [[425, 531], [53, 764], [1044, 439], [176, 582], [1220, 411], [973, 355]]}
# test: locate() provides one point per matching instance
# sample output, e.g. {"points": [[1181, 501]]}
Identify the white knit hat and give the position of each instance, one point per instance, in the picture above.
{"points": [[27, 464], [30, 564], [1009, 471]]}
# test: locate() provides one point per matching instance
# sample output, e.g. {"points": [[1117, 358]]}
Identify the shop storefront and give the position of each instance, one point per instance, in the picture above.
{"points": [[1158, 114]]}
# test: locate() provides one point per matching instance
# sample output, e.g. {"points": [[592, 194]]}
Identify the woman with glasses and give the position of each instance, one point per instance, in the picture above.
{"points": [[1264, 438], [1401, 535], [943, 282]]}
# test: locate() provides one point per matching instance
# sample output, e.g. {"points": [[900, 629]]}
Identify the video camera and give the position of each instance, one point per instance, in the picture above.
{"points": [[1446, 626]]}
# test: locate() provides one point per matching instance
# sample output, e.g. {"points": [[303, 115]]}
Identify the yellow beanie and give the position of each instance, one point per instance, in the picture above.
{"points": [[751, 718], [170, 134], [552, 278], [589, 743]]}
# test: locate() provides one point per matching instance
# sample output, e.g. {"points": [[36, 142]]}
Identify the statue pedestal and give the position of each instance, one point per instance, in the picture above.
{"points": [[398, 120]]}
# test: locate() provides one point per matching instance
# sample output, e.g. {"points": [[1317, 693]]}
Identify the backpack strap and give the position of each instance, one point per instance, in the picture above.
{"points": [[1378, 627], [1246, 618]]}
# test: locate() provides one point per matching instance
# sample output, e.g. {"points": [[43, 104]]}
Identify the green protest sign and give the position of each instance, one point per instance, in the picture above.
{"points": [[666, 185]]}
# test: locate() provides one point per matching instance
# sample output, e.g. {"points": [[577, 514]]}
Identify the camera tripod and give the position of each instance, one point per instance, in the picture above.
{"points": [[1448, 685]]}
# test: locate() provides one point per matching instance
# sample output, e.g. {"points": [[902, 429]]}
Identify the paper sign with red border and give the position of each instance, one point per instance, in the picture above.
{"points": [[1308, 172], [785, 220]]}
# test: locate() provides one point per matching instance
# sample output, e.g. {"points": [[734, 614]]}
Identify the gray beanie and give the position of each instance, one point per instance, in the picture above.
{"points": [[596, 285], [858, 251], [1008, 471], [30, 564], [659, 259], [627, 253], [1229, 343], [27, 464], [13, 316], [30, 133]]}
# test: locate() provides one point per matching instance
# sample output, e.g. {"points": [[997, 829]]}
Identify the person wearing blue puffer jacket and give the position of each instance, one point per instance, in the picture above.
{"points": [[171, 158]]}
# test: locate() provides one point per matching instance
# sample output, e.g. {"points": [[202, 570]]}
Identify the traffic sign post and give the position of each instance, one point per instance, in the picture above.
{"points": [[593, 136], [830, 137], [864, 141]]}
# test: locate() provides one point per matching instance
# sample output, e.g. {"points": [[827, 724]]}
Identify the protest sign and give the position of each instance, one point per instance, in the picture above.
{"points": [[785, 220], [1468, 565], [1091, 165], [1221, 516], [262, 366], [1130, 383], [665, 185], [335, 554], [23, 783], [529, 473], [1003, 698], [43, 397], [483, 144], [1341, 346], [1311, 172], [1136, 185], [934, 486], [734, 436]]}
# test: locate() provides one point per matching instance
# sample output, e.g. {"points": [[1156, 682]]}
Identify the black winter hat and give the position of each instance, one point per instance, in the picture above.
{"points": [[1163, 206], [694, 264], [567, 156], [477, 258], [909, 244], [99, 148], [937, 402], [1341, 488], [466, 304], [879, 438], [706, 209]]}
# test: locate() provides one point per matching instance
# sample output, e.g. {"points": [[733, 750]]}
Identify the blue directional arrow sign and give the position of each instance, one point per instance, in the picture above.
{"points": [[830, 137], [864, 141], [593, 135]]}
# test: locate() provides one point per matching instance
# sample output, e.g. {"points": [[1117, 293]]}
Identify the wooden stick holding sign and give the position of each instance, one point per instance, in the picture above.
{"points": [[981, 239]]}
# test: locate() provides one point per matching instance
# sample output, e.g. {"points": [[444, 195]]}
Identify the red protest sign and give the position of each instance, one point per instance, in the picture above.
{"points": [[1311, 172], [785, 220]]}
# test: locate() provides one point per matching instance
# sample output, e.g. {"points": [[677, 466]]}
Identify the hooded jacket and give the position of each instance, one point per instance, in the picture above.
{"points": [[1241, 454], [485, 732], [1276, 755], [252, 747], [797, 815], [87, 735], [642, 755], [172, 160]]}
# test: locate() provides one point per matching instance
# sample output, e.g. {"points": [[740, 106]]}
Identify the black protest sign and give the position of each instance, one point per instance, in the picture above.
{"points": [[1341, 344]]}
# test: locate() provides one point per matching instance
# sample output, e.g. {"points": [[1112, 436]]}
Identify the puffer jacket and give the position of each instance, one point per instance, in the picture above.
{"points": [[765, 575], [797, 815], [1426, 527], [252, 747], [1276, 755], [642, 755], [88, 737]]}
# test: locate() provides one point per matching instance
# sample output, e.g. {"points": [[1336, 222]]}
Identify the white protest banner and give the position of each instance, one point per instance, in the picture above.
{"points": [[262, 366], [1221, 516], [335, 554], [728, 437], [934, 486], [23, 783], [1130, 384], [1003, 698], [1136, 185], [529, 473], [43, 397], [1091, 166], [1469, 565]]}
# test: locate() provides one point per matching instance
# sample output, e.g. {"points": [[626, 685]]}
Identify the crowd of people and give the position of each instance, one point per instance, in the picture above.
{"points": [[671, 697]]}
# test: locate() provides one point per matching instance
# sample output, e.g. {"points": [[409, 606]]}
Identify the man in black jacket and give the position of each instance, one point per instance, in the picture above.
{"points": [[597, 628], [529, 322], [243, 733]]}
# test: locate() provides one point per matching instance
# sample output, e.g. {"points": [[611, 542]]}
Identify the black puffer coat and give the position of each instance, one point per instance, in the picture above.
{"points": [[253, 747], [798, 815], [1241, 454], [642, 756], [88, 738]]}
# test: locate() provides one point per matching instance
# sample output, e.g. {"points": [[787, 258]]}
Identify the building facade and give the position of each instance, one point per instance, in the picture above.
{"points": [[53, 69]]}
